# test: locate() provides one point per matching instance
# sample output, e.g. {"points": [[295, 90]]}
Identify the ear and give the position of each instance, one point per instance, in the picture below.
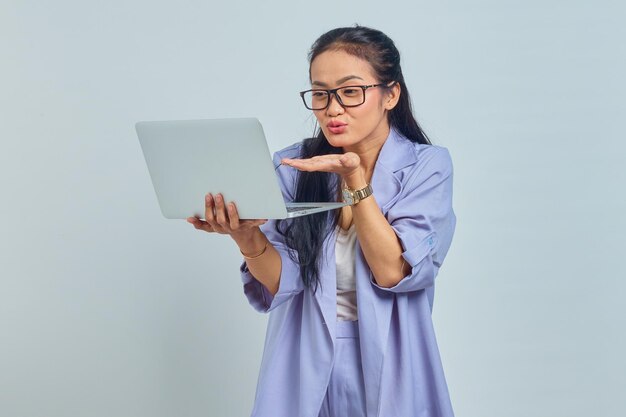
{"points": [[392, 96]]}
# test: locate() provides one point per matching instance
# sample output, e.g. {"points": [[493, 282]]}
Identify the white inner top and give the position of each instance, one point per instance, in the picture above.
{"points": [[346, 280]]}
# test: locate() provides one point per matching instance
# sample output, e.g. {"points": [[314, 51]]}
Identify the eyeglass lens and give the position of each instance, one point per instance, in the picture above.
{"points": [[348, 96]]}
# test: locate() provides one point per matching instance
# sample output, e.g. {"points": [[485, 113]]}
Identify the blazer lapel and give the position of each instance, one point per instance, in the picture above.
{"points": [[397, 153], [326, 294], [375, 306]]}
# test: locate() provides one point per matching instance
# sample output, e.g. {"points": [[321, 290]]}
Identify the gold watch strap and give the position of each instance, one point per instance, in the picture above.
{"points": [[363, 192]]}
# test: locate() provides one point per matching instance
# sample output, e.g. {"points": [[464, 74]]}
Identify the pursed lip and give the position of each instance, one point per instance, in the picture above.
{"points": [[336, 123]]}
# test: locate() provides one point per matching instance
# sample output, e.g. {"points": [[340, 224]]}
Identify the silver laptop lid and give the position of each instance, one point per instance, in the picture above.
{"points": [[189, 158]]}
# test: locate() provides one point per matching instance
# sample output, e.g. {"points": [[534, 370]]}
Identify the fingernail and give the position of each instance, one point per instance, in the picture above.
{"points": [[207, 198], [218, 197]]}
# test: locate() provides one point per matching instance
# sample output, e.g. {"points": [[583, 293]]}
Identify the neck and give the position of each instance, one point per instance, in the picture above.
{"points": [[368, 151]]}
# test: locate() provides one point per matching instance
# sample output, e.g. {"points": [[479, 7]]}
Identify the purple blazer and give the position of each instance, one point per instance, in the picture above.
{"points": [[403, 372]]}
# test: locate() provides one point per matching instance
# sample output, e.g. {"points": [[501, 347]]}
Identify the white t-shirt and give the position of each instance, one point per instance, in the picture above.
{"points": [[346, 277]]}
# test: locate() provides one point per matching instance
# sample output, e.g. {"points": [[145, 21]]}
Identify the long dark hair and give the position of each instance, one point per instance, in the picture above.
{"points": [[306, 235]]}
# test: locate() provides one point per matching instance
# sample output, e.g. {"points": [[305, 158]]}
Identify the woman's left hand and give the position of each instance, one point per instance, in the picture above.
{"points": [[346, 165]]}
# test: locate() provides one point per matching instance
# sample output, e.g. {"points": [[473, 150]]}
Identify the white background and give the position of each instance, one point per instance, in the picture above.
{"points": [[107, 309]]}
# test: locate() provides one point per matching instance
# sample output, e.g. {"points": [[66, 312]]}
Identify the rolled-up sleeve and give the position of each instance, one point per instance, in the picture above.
{"points": [[424, 221], [290, 283]]}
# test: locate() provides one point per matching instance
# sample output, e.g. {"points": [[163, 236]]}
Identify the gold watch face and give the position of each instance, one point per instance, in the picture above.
{"points": [[348, 196]]}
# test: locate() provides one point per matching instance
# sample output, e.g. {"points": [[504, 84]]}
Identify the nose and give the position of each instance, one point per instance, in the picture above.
{"points": [[334, 107]]}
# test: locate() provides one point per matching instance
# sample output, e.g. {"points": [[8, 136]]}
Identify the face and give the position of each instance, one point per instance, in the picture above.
{"points": [[352, 128]]}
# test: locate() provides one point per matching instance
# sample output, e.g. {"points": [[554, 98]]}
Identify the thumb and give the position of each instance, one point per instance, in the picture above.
{"points": [[350, 160]]}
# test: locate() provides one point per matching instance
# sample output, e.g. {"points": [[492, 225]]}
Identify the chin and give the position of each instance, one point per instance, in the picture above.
{"points": [[337, 140]]}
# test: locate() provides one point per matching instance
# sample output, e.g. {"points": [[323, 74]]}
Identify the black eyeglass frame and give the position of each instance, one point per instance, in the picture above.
{"points": [[334, 92]]}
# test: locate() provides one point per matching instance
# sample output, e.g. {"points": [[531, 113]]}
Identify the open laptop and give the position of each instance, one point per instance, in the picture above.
{"points": [[189, 158]]}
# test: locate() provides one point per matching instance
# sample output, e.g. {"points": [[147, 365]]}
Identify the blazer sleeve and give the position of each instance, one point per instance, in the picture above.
{"points": [[424, 221], [290, 282]]}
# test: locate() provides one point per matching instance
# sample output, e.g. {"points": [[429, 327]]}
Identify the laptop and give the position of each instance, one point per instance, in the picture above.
{"points": [[187, 159]]}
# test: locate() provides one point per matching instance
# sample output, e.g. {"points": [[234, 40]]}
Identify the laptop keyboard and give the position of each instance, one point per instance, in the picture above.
{"points": [[292, 209]]}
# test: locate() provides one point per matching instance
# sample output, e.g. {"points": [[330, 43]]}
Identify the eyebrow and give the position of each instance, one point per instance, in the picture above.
{"points": [[340, 81]]}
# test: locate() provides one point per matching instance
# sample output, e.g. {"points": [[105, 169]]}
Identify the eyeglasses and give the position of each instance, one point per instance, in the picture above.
{"points": [[348, 96]]}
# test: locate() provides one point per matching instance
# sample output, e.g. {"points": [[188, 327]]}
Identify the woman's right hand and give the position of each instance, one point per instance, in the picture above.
{"points": [[223, 218]]}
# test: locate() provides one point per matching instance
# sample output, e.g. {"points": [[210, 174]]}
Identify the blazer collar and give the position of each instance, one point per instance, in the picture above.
{"points": [[397, 152]]}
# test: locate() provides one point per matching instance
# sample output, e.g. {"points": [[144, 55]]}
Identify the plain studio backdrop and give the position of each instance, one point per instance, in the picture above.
{"points": [[108, 309]]}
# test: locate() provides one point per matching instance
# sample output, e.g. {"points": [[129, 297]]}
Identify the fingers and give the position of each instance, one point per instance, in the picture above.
{"points": [[215, 213], [350, 160], [237, 224], [343, 164], [211, 212], [222, 218], [199, 224], [220, 212], [208, 209], [326, 163], [233, 216]]}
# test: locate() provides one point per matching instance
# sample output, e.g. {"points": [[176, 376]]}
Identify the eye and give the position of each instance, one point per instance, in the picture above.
{"points": [[351, 91], [318, 94]]}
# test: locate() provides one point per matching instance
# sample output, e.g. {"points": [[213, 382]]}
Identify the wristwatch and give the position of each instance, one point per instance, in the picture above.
{"points": [[352, 197]]}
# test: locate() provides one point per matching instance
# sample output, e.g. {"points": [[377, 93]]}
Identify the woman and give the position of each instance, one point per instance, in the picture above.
{"points": [[351, 291]]}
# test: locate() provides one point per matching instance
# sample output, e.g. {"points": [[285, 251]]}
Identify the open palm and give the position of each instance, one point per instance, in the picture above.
{"points": [[343, 164]]}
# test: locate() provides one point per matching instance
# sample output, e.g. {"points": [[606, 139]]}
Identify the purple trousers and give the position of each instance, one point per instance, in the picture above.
{"points": [[345, 395]]}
